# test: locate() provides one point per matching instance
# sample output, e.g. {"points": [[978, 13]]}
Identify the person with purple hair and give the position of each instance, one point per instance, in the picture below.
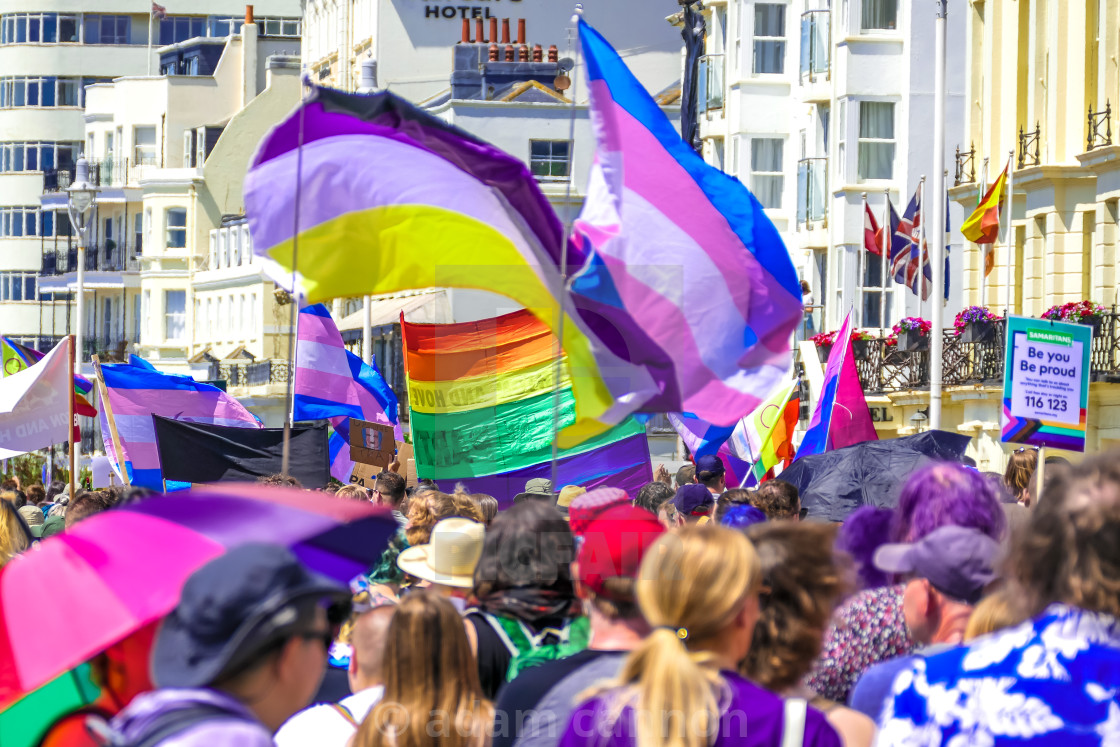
{"points": [[870, 627], [864, 531]]}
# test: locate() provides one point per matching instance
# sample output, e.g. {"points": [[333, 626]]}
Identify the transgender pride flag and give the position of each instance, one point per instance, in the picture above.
{"points": [[332, 383], [136, 392], [686, 276]]}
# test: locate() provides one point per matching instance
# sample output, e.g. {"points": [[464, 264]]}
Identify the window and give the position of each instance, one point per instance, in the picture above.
{"points": [[253, 315], [138, 231], [769, 38], [174, 314], [235, 247], [16, 222], [144, 145], [106, 29], [211, 318], [176, 228], [146, 312], [766, 171], [879, 15], [42, 91], [875, 305], [136, 318], [246, 243], [876, 140], [549, 159], [17, 286], [37, 28], [16, 157]]}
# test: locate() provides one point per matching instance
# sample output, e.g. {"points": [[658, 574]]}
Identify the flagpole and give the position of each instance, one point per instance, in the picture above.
{"points": [[938, 227], [151, 17], [70, 407], [983, 254], [574, 48], [888, 235], [1007, 235], [122, 457]]}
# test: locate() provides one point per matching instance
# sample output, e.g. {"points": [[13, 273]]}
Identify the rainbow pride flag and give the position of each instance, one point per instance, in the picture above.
{"points": [[481, 397], [383, 197]]}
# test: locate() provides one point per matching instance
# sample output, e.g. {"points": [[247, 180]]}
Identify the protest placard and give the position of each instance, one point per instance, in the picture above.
{"points": [[371, 443], [1046, 383]]}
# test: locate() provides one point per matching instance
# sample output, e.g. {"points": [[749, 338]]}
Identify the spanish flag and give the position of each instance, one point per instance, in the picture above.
{"points": [[982, 227]]}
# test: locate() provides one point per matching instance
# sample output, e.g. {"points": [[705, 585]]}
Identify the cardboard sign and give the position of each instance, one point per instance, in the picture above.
{"points": [[404, 456], [1046, 383], [411, 479], [371, 443], [364, 475]]}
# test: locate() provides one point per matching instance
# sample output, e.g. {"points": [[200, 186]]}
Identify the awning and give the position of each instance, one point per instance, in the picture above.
{"points": [[424, 307]]}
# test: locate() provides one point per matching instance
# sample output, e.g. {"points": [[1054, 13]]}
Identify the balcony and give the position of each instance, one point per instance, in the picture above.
{"points": [[108, 348], [884, 368], [107, 257], [58, 180], [816, 46], [812, 192], [711, 82], [250, 373]]}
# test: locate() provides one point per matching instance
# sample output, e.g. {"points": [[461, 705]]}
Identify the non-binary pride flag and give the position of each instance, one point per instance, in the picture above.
{"points": [[384, 197], [34, 412], [136, 393], [686, 276], [331, 383], [481, 396]]}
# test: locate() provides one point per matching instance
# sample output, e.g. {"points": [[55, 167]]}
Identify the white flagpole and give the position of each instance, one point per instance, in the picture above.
{"points": [[983, 253], [888, 239], [151, 17], [1008, 236], [937, 213]]}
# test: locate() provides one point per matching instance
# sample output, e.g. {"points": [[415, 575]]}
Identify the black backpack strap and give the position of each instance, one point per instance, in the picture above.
{"points": [[181, 719]]}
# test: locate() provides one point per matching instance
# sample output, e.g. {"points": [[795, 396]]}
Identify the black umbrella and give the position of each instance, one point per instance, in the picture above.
{"points": [[834, 484]]}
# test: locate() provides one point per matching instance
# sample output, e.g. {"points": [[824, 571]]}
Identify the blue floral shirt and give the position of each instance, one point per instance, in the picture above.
{"points": [[1054, 680]]}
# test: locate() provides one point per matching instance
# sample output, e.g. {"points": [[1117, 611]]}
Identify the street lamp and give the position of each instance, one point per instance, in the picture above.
{"points": [[81, 195]]}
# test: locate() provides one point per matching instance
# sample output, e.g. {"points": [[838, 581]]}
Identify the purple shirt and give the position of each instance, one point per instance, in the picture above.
{"points": [[752, 716], [238, 728]]}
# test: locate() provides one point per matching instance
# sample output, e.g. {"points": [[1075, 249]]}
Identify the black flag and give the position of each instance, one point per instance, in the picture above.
{"points": [[196, 453]]}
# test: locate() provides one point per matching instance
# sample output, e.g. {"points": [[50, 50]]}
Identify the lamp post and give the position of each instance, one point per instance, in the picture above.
{"points": [[936, 222], [81, 195]]}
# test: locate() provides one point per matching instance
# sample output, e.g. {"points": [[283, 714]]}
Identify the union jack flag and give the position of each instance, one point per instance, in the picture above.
{"points": [[905, 256]]}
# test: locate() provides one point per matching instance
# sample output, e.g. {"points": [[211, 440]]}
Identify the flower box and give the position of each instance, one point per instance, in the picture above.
{"points": [[1095, 323], [861, 348], [823, 351], [978, 331], [913, 340]]}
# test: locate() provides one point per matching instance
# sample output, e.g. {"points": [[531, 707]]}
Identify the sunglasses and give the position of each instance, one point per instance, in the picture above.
{"points": [[326, 637]]}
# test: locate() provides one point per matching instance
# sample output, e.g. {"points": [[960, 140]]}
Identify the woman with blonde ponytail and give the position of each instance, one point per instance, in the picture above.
{"points": [[698, 589]]}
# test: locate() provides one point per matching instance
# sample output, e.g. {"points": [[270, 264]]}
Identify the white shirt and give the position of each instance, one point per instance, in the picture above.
{"points": [[322, 724]]}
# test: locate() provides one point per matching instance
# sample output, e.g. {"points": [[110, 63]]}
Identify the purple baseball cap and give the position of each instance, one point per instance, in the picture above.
{"points": [[957, 561], [694, 498]]}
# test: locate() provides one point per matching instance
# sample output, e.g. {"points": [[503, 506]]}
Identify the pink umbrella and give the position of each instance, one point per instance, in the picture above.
{"points": [[75, 594]]}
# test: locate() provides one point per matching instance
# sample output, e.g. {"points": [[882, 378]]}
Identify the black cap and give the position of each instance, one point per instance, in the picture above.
{"points": [[232, 609]]}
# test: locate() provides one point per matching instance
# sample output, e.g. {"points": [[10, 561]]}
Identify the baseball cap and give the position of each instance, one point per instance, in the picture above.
{"points": [[586, 507], [613, 545], [693, 498], [957, 561], [537, 487], [568, 493], [233, 608], [711, 464]]}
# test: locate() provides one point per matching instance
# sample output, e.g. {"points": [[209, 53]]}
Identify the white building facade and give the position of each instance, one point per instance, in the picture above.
{"points": [[812, 104]]}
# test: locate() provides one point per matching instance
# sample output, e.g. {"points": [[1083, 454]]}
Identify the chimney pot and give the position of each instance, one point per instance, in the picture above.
{"points": [[523, 53], [493, 31], [466, 32], [509, 53], [480, 36], [248, 14], [492, 53], [538, 54], [505, 31], [553, 53], [520, 30]]}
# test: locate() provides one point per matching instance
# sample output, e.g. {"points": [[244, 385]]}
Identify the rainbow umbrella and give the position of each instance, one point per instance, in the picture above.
{"points": [[112, 574]]}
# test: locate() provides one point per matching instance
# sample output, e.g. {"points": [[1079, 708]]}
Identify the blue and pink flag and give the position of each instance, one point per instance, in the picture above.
{"points": [[332, 383], [686, 280], [841, 417], [702, 438], [136, 392]]}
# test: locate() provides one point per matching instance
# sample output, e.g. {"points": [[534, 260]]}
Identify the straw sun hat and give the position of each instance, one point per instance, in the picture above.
{"points": [[451, 555]]}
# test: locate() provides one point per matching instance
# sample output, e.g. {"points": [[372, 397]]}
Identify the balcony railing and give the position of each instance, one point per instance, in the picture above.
{"points": [[1099, 121], [108, 348], [250, 373], [816, 45], [103, 258], [711, 78], [966, 166], [1030, 146], [57, 180], [812, 188], [885, 368]]}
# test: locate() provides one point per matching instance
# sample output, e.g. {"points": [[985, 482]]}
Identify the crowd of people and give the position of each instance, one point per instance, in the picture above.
{"points": [[689, 614]]}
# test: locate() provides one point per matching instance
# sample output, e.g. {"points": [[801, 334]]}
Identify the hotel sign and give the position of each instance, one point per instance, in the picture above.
{"points": [[453, 9]]}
